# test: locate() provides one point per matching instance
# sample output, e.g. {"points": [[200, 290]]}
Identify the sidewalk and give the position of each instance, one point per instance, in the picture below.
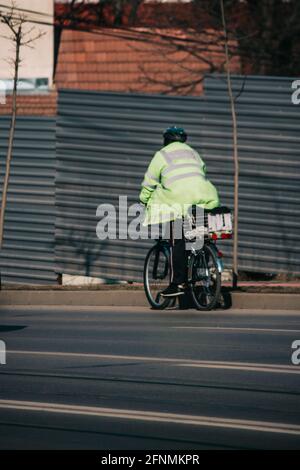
{"points": [[250, 295]]}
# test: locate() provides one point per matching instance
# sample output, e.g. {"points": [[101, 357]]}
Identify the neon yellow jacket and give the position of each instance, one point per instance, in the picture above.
{"points": [[175, 180]]}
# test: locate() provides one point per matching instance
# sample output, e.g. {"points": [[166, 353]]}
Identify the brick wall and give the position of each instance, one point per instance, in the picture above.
{"points": [[32, 105]]}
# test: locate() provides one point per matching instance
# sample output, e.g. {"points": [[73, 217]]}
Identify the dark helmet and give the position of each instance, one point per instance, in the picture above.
{"points": [[174, 134]]}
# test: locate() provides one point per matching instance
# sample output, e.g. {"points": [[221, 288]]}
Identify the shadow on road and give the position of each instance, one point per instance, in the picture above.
{"points": [[7, 328]]}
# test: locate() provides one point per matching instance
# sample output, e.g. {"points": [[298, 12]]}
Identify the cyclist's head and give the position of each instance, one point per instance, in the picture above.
{"points": [[174, 134]]}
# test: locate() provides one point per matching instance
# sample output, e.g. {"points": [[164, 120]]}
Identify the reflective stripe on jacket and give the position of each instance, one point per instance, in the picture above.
{"points": [[175, 180]]}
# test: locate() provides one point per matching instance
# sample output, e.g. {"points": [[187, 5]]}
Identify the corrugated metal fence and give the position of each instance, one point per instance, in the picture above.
{"points": [[104, 144], [28, 249], [269, 151], [105, 141]]}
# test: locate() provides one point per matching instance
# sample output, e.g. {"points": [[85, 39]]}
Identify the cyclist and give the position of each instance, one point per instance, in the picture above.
{"points": [[174, 181]]}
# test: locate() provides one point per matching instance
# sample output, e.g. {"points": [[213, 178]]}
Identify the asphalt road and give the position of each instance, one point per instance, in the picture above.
{"points": [[135, 379]]}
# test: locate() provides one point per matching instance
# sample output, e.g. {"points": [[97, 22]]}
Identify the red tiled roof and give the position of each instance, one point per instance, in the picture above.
{"points": [[32, 105], [119, 60]]}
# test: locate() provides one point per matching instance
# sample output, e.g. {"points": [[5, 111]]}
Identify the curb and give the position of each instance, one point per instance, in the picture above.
{"points": [[125, 298]]}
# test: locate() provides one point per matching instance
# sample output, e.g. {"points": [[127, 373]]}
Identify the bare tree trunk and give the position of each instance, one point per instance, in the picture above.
{"points": [[11, 134], [235, 155]]}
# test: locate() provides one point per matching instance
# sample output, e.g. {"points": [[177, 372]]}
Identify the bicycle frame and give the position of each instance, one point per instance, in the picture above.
{"points": [[165, 247], [195, 252]]}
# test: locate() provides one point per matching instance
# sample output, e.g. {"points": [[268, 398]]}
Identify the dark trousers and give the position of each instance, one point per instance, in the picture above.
{"points": [[179, 257]]}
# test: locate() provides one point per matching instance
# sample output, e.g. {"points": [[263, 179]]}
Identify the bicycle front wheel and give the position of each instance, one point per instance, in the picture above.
{"points": [[206, 279], [157, 276]]}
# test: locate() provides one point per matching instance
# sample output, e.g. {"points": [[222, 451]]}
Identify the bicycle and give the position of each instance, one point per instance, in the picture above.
{"points": [[204, 269]]}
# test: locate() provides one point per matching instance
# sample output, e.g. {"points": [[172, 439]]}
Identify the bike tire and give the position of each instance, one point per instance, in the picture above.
{"points": [[155, 302], [198, 294]]}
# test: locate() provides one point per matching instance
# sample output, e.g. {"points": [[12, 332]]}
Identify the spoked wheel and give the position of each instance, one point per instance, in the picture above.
{"points": [[206, 279], [157, 275]]}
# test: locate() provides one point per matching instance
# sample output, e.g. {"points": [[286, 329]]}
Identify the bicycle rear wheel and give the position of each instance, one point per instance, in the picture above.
{"points": [[157, 275], [206, 279]]}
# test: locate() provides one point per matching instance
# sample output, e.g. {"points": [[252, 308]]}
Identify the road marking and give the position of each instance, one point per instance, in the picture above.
{"points": [[182, 362], [220, 328], [239, 366], [250, 425]]}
